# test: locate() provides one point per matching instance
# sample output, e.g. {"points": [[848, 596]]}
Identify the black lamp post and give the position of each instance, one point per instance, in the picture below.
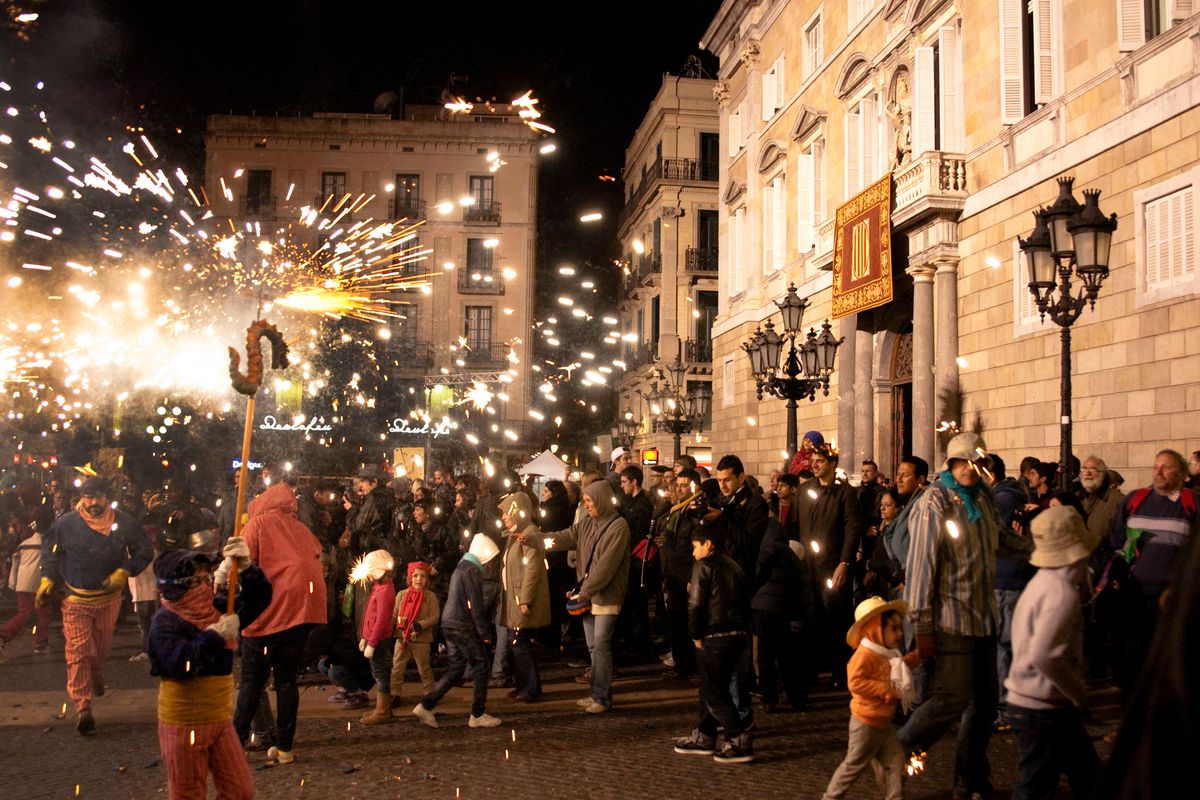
{"points": [[1068, 236], [808, 364], [627, 428], [673, 408]]}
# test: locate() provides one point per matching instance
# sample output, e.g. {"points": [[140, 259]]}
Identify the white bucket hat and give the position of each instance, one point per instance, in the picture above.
{"points": [[1060, 538], [967, 447], [483, 548]]}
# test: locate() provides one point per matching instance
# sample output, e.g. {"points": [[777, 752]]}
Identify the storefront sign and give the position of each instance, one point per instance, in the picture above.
{"points": [[862, 251], [650, 456], [314, 425], [440, 428]]}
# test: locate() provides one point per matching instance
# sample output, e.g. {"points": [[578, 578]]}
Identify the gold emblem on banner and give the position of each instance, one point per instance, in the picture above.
{"points": [[862, 252]]}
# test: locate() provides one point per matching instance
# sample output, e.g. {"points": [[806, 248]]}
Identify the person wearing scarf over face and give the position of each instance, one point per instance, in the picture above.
{"points": [[601, 542], [525, 592], [90, 552], [191, 648], [877, 676], [415, 617]]}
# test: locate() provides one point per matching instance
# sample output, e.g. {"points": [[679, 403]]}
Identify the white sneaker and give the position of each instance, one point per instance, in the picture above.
{"points": [[139, 657], [425, 715], [483, 721], [584, 702], [668, 660], [277, 756]]}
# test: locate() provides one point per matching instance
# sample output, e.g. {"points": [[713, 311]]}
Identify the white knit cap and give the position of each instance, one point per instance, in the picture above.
{"points": [[483, 548]]}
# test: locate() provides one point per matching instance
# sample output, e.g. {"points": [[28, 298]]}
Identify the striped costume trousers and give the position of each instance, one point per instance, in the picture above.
{"points": [[191, 752], [88, 630]]}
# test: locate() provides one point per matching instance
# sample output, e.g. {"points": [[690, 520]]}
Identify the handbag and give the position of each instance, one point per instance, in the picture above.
{"points": [[577, 606]]}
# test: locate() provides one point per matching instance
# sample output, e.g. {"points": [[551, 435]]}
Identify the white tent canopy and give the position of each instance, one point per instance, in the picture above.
{"points": [[547, 465]]}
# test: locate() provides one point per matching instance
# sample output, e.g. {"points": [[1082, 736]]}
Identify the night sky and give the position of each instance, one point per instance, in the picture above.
{"points": [[595, 67]]}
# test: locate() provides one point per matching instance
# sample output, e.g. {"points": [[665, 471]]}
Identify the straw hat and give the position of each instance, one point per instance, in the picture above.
{"points": [[967, 447], [868, 610], [1060, 538]]}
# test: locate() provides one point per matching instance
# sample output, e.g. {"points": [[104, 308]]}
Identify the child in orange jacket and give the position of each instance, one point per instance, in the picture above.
{"points": [[877, 676]]}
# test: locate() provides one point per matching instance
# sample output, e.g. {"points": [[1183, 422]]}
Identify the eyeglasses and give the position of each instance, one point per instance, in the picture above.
{"points": [[1089, 469]]}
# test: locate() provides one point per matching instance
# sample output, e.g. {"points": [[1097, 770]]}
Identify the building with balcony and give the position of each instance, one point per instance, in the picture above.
{"points": [[430, 168], [668, 233], [972, 109]]}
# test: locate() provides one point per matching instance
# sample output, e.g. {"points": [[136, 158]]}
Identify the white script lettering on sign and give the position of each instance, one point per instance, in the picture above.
{"points": [[400, 425], [314, 425]]}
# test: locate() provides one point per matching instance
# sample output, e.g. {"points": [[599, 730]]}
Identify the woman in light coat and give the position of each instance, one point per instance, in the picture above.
{"points": [[525, 592]]}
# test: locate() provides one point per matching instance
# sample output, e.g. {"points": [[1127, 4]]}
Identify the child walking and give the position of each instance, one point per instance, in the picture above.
{"points": [[376, 642], [466, 627], [416, 615], [877, 676], [191, 650], [1046, 686], [719, 624]]}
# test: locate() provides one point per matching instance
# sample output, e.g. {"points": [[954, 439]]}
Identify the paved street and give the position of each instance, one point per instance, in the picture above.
{"points": [[558, 752]]}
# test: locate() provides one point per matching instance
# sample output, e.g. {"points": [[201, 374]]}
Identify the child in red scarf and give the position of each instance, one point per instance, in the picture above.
{"points": [[191, 648], [416, 615]]}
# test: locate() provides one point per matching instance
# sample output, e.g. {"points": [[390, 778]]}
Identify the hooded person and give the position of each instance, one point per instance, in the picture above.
{"points": [[289, 554], [1047, 686], [466, 629], [90, 553], [415, 615], [601, 540], [525, 593], [191, 646]]}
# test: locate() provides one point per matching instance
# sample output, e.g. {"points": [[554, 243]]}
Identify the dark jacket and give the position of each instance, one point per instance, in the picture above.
{"points": [[556, 514], [436, 545], [1012, 570], [73, 552], [637, 513], [678, 546], [371, 523], [464, 605], [782, 584], [828, 515], [744, 518], [717, 601], [178, 649]]}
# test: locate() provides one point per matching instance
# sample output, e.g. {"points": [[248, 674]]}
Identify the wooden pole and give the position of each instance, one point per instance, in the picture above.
{"points": [[243, 476]]}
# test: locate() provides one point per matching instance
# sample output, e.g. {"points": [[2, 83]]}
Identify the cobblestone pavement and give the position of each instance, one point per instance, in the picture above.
{"points": [[546, 750]]}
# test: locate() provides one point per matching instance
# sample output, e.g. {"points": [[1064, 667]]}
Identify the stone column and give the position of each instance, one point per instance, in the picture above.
{"points": [[923, 346], [864, 400], [846, 390], [947, 347]]}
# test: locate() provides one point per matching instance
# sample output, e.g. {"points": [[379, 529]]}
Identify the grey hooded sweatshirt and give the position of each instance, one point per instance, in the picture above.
{"points": [[608, 578]]}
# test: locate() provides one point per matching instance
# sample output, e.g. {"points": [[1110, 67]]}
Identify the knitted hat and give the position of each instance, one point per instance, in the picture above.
{"points": [[1060, 538], [94, 486], [173, 567], [815, 438], [377, 563], [483, 548], [413, 566], [965, 447], [868, 610]]}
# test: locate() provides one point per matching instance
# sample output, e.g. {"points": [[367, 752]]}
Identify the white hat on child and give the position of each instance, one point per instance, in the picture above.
{"points": [[868, 610]]}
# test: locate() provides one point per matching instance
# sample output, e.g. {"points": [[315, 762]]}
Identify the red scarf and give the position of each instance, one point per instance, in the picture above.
{"points": [[410, 605], [101, 524], [196, 606]]}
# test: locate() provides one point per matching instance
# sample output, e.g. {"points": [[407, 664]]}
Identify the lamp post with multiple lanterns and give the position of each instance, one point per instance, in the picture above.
{"points": [[673, 407], [1068, 241], [808, 364]]}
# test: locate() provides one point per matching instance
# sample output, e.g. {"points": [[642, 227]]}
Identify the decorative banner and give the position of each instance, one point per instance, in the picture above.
{"points": [[862, 251]]}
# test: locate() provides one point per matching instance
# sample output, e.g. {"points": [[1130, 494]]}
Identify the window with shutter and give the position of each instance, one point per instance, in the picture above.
{"points": [[805, 186], [1012, 101], [853, 157], [1043, 68], [735, 133], [870, 128], [768, 228], [1179, 10], [950, 88], [780, 220], [728, 386], [1131, 25], [923, 101], [768, 96], [818, 152], [1165, 222], [812, 52]]}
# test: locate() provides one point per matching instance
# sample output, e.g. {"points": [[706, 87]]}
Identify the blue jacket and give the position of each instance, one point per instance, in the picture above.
{"points": [[1011, 573], [464, 605], [73, 552], [178, 649]]}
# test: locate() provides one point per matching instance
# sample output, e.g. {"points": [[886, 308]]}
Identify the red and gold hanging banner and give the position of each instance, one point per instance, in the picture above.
{"points": [[862, 251]]}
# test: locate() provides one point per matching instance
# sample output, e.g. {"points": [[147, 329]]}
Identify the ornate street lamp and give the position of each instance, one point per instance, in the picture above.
{"points": [[808, 363], [674, 409], [1068, 239], [627, 428]]}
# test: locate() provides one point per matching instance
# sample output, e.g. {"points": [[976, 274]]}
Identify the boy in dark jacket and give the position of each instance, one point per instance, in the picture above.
{"points": [[191, 648], [718, 622], [784, 610], [466, 626]]}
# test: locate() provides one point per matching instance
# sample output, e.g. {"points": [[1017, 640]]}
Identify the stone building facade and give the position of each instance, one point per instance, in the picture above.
{"points": [[974, 108], [669, 231], [433, 168]]}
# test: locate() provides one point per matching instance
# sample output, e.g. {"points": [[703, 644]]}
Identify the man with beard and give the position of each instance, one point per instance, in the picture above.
{"points": [[677, 549], [1100, 498], [827, 513], [371, 523], [90, 552]]}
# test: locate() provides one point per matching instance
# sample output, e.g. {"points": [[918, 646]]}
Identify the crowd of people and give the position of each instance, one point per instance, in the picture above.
{"points": [[964, 595]]}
